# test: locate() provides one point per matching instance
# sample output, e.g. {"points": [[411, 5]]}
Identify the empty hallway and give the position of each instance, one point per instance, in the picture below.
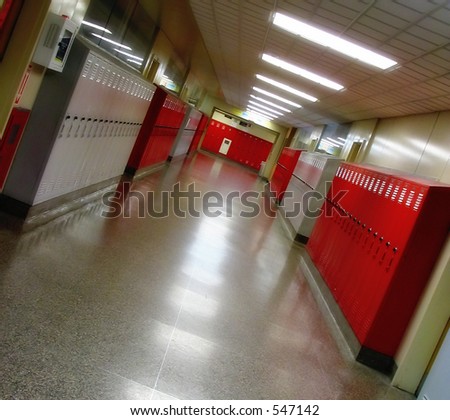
{"points": [[203, 307]]}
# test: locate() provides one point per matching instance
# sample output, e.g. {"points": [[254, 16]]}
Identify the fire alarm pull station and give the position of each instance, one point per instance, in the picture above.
{"points": [[55, 42]]}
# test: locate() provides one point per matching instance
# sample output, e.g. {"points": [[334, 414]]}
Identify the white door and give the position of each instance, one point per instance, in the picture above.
{"points": [[437, 383], [226, 143]]}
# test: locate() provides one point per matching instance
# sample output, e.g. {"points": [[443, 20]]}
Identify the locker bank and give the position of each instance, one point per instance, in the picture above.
{"points": [[206, 199]]}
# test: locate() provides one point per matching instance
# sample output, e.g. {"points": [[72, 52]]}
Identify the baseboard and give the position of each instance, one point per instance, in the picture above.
{"points": [[35, 215]]}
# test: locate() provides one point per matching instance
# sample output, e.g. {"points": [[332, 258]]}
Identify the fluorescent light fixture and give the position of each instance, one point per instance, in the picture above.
{"points": [[270, 103], [130, 60], [111, 41], [129, 55], [254, 116], [301, 72], [93, 25], [279, 98], [265, 107], [287, 88], [333, 42], [342, 141], [328, 143], [262, 111], [333, 142]]}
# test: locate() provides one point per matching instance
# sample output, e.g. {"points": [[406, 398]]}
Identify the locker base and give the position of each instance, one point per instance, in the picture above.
{"points": [[375, 360], [14, 207], [295, 236], [143, 172], [339, 326], [176, 158], [301, 238], [39, 214]]}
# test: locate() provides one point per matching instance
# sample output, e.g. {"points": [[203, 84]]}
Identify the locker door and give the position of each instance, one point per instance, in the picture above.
{"points": [[11, 139]]}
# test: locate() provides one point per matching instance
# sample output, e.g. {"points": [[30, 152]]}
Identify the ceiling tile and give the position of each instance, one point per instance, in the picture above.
{"points": [[390, 19], [237, 32], [415, 41], [442, 15]]}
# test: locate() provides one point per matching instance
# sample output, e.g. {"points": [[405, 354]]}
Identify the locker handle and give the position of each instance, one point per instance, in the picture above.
{"points": [[395, 249], [388, 244]]}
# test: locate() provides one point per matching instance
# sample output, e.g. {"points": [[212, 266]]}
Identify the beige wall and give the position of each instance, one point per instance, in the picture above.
{"points": [[360, 131], [19, 53], [435, 160], [416, 144], [426, 327]]}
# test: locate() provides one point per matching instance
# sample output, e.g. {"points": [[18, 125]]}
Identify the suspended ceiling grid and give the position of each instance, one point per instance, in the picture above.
{"points": [[415, 33]]}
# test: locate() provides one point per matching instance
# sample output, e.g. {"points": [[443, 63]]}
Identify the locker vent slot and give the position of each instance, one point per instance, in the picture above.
{"points": [[94, 70], [402, 195], [418, 202], [375, 189], [366, 182], [388, 191], [86, 68], [394, 194], [410, 198]]}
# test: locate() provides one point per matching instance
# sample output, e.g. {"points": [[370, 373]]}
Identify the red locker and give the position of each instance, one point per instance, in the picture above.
{"points": [[283, 171], [10, 140], [245, 148], [376, 250], [158, 132]]}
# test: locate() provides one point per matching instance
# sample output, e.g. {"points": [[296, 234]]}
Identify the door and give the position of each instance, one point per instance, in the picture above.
{"points": [[437, 382]]}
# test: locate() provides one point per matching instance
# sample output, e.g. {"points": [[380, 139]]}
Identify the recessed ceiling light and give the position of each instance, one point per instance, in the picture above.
{"points": [[334, 141], [111, 41], [302, 72], [265, 107], [270, 103], [279, 98], [334, 42], [254, 114], [258, 109], [286, 88]]}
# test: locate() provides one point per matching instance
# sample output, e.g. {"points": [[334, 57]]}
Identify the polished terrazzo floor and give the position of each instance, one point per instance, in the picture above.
{"points": [[161, 308]]}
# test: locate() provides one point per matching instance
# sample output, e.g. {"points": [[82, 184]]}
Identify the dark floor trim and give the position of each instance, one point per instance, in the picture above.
{"points": [[301, 239]]}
